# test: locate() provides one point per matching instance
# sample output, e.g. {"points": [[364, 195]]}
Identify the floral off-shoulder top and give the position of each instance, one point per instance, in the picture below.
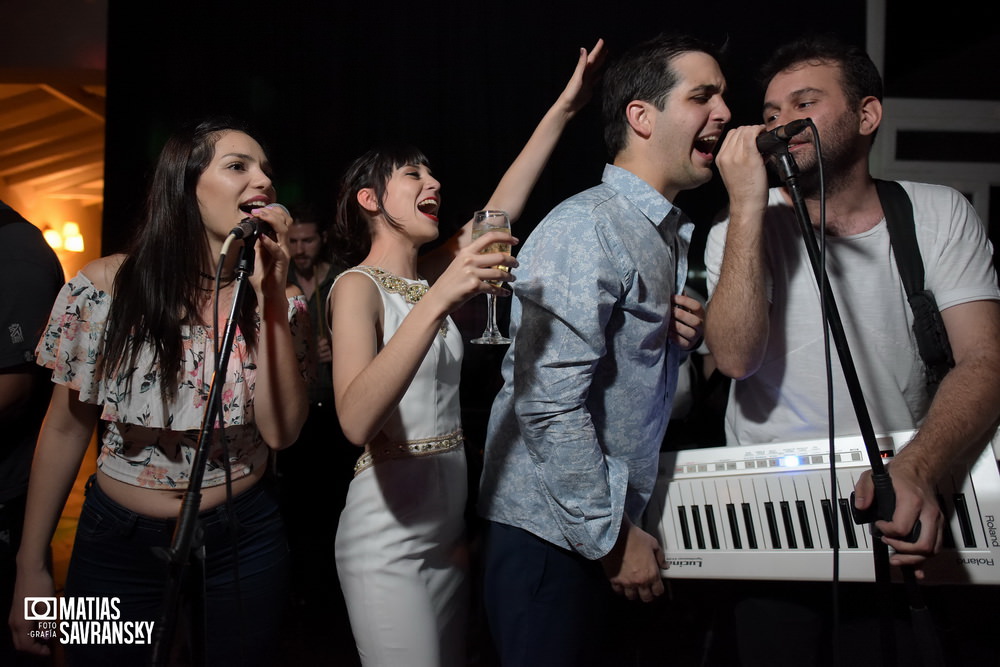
{"points": [[149, 442]]}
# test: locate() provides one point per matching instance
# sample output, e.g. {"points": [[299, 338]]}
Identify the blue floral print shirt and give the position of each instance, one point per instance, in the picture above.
{"points": [[575, 431]]}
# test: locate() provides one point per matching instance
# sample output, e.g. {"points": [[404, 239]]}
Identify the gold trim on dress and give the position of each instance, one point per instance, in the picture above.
{"points": [[409, 449], [411, 292]]}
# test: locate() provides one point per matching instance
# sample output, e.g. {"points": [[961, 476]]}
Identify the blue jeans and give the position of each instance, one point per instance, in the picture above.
{"points": [[243, 594]]}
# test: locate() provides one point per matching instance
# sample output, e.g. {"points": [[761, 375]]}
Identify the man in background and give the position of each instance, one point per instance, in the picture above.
{"points": [[314, 474], [30, 279]]}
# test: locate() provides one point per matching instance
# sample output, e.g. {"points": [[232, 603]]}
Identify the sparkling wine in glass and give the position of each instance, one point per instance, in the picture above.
{"points": [[483, 222]]}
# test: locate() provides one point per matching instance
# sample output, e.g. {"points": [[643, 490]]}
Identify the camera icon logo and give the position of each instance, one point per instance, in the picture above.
{"points": [[40, 609]]}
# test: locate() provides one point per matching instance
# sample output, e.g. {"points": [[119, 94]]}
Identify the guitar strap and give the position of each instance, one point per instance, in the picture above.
{"points": [[928, 327]]}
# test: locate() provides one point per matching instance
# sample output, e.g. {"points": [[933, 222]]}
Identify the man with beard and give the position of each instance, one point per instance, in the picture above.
{"points": [[321, 442], [764, 315]]}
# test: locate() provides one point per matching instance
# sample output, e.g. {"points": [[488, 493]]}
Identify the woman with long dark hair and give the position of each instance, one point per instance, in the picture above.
{"points": [[130, 343], [397, 356]]}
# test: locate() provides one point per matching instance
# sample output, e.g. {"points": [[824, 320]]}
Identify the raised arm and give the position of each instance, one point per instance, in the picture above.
{"points": [[736, 324], [520, 178], [516, 185]]}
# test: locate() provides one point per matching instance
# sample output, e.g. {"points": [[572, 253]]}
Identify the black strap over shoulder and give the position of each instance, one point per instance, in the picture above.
{"points": [[928, 327], [902, 234]]}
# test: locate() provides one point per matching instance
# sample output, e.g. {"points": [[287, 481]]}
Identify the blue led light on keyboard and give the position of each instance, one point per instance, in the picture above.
{"points": [[789, 461]]}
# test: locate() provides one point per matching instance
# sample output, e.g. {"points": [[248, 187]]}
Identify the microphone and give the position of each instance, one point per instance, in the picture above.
{"points": [[252, 227], [778, 138], [246, 229]]}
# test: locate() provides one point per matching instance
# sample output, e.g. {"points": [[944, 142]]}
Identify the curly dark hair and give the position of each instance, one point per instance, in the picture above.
{"points": [[859, 76]]}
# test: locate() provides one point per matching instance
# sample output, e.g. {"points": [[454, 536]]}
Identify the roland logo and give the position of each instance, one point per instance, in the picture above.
{"points": [[988, 562], [991, 529], [684, 562]]}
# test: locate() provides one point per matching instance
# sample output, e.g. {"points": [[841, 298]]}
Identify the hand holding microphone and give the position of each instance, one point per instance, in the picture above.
{"points": [[257, 226], [253, 226]]}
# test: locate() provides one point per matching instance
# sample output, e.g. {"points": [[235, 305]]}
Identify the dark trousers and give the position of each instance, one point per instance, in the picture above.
{"points": [[547, 605], [242, 591]]}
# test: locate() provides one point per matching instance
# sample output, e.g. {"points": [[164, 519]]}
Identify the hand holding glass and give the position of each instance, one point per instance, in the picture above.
{"points": [[483, 222]]}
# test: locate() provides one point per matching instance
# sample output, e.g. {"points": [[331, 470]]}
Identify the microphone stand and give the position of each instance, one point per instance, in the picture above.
{"points": [[187, 532], [884, 503]]}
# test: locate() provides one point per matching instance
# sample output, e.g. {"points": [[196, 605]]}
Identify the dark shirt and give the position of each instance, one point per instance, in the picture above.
{"points": [[31, 276], [321, 385]]}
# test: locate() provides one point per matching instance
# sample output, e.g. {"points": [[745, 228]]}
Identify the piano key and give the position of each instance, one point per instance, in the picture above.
{"points": [[786, 517], [772, 525], [748, 524], [683, 523], [832, 529], [734, 528], [948, 536], [805, 522], [699, 532], [713, 529], [964, 521], [848, 523]]}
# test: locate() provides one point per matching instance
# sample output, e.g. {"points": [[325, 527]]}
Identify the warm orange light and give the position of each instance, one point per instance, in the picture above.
{"points": [[53, 238], [70, 239], [74, 243]]}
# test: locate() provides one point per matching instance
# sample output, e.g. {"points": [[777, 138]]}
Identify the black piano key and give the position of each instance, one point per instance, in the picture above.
{"points": [[699, 532], [682, 520], [772, 524], [786, 518], [948, 538], [713, 529], [807, 538], [964, 521], [828, 519], [734, 526], [847, 523], [751, 532]]}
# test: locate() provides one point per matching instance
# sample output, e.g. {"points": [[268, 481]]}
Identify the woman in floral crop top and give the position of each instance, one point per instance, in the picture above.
{"points": [[130, 343]]}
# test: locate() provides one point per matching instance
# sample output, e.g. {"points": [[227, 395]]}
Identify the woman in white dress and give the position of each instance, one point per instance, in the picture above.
{"points": [[397, 356]]}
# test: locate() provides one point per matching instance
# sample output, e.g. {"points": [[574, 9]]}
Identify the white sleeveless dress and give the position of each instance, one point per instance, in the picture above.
{"points": [[400, 548]]}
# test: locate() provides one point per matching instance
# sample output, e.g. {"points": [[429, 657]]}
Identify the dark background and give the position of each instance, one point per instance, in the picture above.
{"points": [[466, 81]]}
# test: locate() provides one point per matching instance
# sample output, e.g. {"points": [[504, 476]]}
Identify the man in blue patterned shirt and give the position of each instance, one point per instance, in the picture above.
{"points": [[599, 325]]}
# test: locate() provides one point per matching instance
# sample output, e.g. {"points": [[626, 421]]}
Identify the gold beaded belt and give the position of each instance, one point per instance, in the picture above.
{"points": [[409, 449]]}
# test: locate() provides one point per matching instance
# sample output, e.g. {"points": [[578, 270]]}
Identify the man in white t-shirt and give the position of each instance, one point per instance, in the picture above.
{"points": [[764, 326]]}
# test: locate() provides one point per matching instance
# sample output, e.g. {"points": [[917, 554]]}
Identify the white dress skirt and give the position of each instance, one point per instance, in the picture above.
{"points": [[400, 549]]}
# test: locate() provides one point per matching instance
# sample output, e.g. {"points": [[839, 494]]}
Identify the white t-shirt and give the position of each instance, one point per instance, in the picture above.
{"points": [[786, 399]]}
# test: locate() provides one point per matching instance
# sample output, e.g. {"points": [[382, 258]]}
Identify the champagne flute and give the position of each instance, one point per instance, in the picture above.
{"points": [[483, 222]]}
